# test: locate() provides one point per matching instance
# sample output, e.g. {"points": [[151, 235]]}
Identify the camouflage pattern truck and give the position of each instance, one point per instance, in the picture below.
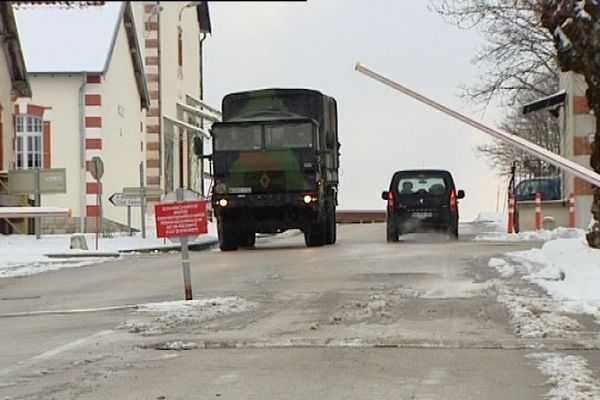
{"points": [[275, 166]]}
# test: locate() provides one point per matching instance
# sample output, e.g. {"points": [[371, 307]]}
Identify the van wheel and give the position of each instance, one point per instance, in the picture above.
{"points": [[392, 233], [453, 232]]}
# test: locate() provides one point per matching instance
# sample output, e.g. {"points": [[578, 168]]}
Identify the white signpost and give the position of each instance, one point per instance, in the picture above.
{"points": [[121, 200]]}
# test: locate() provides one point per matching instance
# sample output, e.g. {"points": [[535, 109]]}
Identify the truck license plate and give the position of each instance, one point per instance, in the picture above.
{"points": [[422, 215]]}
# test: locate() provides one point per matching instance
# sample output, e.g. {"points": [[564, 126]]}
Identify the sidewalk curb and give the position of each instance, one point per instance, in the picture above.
{"points": [[165, 249]]}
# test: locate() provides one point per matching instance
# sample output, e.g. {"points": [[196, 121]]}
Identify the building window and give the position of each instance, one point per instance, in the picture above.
{"points": [[28, 142]]}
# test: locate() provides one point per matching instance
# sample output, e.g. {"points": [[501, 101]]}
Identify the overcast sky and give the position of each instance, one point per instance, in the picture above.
{"points": [[315, 44]]}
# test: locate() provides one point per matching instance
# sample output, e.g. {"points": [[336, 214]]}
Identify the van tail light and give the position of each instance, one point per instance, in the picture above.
{"points": [[391, 202], [453, 202]]}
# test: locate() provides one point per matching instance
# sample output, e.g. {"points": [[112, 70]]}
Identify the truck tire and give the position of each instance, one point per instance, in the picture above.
{"points": [[315, 234], [228, 236], [247, 239], [331, 234]]}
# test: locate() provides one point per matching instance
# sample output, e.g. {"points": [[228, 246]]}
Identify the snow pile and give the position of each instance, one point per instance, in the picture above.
{"points": [[534, 317], [503, 268], [532, 236], [184, 314], [568, 270], [570, 376], [491, 217]]}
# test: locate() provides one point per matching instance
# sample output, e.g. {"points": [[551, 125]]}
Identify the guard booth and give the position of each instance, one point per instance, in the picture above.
{"points": [[530, 177]]}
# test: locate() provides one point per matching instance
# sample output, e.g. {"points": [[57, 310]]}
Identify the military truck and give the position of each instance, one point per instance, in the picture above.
{"points": [[275, 166]]}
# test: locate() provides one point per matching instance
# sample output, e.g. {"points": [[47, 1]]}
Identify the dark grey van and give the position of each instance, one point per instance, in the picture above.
{"points": [[422, 200]]}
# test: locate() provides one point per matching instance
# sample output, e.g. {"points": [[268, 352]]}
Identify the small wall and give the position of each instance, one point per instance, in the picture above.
{"points": [[360, 216], [68, 225], [557, 209]]}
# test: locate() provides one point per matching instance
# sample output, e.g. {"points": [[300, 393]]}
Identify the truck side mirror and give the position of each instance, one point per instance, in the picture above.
{"points": [[460, 194], [384, 195]]}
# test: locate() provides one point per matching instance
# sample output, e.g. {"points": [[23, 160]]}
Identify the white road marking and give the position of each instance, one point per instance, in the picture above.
{"points": [[53, 352]]}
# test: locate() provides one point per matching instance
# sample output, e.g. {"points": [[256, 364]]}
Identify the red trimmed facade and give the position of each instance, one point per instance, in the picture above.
{"points": [[583, 188], [93, 100], [93, 139], [581, 146], [152, 70], [580, 105], [39, 111]]}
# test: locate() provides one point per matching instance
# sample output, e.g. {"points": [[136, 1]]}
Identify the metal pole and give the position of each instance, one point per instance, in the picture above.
{"points": [[129, 220], [37, 202], [100, 212], [143, 200], [185, 256], [97, 214], [546, 155]]}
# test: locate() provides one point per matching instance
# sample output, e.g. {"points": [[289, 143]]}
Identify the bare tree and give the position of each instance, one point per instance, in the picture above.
{"points": [[540, 127], [575, 26], [518, 66]]}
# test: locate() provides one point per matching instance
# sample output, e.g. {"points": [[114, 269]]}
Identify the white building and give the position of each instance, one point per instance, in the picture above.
{"points": [[14, 83], [116, 80], [578, 125], [89, 100], [174, 33]]}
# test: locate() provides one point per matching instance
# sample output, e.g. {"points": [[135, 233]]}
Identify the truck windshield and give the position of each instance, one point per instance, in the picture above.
{"points": [[289, 135], [237, 137]]}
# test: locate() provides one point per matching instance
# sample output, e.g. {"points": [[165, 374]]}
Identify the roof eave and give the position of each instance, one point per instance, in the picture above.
{"points": [[13, 52], [136, 56]]}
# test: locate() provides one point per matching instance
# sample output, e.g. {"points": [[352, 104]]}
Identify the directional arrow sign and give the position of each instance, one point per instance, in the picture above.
{"points": [[120, 200], [137, 191]]}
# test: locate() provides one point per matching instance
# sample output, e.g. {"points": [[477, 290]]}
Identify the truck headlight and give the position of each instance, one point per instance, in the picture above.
{"points": [[307, 199], [223, 202]]}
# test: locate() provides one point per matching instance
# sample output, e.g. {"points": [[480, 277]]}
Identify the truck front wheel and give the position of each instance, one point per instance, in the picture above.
{"points": [[228, 235], [247, 238], [315, 234]]}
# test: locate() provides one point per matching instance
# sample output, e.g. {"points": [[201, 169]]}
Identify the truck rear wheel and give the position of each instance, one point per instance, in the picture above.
{"points": [[331, 234], [315, 234], [228, 236]]}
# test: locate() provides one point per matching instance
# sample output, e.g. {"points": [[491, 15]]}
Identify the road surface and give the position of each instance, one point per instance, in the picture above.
{"points": [[362, 319]]}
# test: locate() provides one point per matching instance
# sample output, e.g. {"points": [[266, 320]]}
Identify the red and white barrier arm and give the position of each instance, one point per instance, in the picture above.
{"points": [[582, 172]]}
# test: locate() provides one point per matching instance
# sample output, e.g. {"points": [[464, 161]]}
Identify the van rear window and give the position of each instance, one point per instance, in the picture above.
{"points": [[423, 184]]}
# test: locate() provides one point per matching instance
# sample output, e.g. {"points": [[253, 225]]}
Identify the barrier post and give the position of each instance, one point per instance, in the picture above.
{"points": [[538, 211], [572, 221], [511, 212]]}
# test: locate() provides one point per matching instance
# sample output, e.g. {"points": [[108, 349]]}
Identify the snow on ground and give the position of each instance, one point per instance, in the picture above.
{"points": [[568, 271], [173, 315], [568, 375], [565, 268], [23, 255]]}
